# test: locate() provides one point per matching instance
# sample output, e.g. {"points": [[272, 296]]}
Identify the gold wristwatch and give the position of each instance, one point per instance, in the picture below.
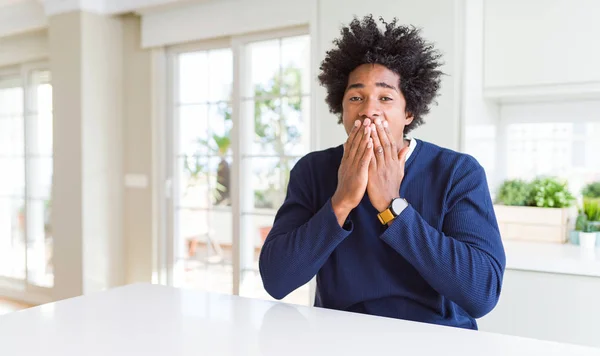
{"points": [[395, 208]]}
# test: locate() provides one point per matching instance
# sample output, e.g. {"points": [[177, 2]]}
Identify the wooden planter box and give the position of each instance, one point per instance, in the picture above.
{"points": [[535, 224]]}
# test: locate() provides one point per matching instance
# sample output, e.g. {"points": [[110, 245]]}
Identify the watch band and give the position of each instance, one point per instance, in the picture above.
{"points": [[386, 216]]}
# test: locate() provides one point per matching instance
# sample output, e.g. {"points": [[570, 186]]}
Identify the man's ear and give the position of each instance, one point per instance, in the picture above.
{"points": [[409, 119]]}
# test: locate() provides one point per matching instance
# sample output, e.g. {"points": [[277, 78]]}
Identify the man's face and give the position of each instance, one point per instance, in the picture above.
{"points": [[373, 92]]}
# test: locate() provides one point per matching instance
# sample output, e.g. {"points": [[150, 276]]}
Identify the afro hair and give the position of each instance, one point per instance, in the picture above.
{"points": [[399, 48]]}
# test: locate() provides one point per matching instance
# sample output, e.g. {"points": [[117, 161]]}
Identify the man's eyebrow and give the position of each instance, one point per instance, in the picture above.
{"points": [[355, 86], [378, 84], [386, 85]]}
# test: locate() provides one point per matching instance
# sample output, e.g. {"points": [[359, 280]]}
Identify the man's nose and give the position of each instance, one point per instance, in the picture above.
{"points": [[370, 108]]}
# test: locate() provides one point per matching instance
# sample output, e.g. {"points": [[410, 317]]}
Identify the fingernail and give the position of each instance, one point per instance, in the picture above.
{"points": [[356, 123], [367, 122], [377, 121], [385, 124]]}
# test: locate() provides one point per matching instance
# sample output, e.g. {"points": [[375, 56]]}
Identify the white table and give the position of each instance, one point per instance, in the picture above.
{"points": [[155, 320]]}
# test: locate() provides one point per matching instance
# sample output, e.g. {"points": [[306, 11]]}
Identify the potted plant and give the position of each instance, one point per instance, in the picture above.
{"points": [[540, 210], [589, 223], [590, 191]]}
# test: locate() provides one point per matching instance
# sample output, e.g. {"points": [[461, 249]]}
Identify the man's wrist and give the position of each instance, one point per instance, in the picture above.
{"points": [[396, 206], [384, 205], [340, 210]]}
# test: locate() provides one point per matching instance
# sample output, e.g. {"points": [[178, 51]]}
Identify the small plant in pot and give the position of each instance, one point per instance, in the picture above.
{"points": [[589, 223]]}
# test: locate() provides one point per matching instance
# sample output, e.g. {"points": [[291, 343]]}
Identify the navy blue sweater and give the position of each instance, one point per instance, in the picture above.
{"points": [[441, 260]]}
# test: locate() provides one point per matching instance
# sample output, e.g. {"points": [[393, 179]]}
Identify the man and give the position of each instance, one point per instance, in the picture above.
{"points": [[407, 230]]}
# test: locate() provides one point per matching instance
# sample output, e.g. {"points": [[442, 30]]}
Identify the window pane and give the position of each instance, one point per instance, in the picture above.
{"points": [[295, 55], [39, 135], [268, 183], [12, 179], [12, 238], [193, 185], [255, 229], [11, 97], [220, 64], [295, 113], [11, 136], [39, 243], [220, 123], [268, 128], [281, 126], [40, 178], [193, 129], [44, 92], [556, 149], [204, 259], [39, 123], [193, 77], [219, 171], [264, 69]]}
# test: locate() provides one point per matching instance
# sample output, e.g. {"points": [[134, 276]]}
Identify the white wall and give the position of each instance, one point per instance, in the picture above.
{"points": [[23, 48], [221, 18], [85, 61], [481, 136], [22, 16]]}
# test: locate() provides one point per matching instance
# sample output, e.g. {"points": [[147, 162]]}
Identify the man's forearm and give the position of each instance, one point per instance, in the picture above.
{"points": [[459, 269], [292, 256]]}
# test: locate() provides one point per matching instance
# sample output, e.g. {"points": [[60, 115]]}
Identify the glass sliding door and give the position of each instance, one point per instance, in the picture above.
{"points": [[275, 104], [240, 105], [202, 157], [26, 160]]}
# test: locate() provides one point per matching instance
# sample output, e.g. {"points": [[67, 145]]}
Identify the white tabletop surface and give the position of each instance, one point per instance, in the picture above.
{"points": [[552, 258], [155, 320]]}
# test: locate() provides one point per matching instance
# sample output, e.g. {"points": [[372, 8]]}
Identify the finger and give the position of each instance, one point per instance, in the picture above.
{"points": [[383, 138], [391, 139], [373, 161], [351, 138], [364, 142], [359, 142], [377, 146], [367, 156]]}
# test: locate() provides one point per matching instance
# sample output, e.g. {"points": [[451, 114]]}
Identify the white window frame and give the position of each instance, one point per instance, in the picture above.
{"points": [[237, 44], [14, 288]]}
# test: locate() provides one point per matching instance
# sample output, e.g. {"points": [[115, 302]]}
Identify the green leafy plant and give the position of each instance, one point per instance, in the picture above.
{"points": [[549, 192], [581, 222], [588, 219], [514, 192], [591, 209], [591, 190]]}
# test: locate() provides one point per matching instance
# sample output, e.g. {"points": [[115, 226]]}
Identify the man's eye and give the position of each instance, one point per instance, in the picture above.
{"points": [[386, 98], [354, 98]]}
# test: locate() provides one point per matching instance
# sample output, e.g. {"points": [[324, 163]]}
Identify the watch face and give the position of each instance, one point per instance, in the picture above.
{"points": [[398, 205]]}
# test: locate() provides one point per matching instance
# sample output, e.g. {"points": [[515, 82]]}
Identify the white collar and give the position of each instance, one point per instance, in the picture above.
{"points": [[411, 146]]}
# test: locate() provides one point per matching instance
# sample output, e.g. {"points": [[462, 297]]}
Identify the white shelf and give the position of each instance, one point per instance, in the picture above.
{"points": [[552, 258]]}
